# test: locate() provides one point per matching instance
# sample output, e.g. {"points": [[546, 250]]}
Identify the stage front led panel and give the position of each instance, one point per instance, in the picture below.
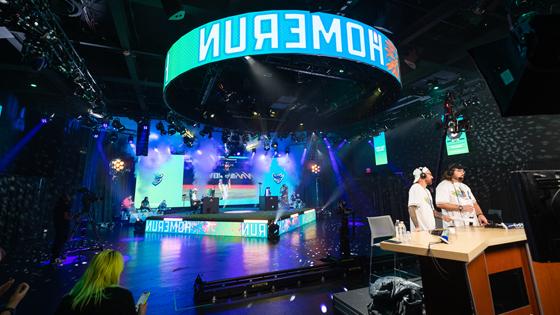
{"points": [[178, 226]]}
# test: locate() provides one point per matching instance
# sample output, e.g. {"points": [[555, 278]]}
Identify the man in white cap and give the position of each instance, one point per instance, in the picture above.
{"points": [[420, 203]]}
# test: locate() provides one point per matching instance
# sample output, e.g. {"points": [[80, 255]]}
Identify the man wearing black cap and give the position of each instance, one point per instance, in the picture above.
{"points": [[457, 200]]}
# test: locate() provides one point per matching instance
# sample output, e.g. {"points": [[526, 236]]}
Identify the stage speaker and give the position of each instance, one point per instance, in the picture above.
{"points": [[142, 137], [174, 9], [268, 203], [210, 205], [523, 78], [538, 199]]}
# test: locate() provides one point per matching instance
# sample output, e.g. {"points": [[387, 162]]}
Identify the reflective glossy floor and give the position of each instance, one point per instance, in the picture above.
{"points": [[167, 265]]}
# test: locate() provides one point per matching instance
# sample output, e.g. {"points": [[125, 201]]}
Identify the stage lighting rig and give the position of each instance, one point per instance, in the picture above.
{"points": [[117, 165], [315, 168], [46, 45]]}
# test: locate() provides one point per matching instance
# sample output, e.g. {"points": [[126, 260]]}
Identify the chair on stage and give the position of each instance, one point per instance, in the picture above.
{"points": [[382, 227]]}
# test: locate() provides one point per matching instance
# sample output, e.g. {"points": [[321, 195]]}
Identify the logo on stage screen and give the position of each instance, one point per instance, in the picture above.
{"points": [[278, 178], [158, 178], [282, 32]]}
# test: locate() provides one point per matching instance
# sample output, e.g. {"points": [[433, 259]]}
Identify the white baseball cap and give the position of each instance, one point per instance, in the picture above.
{"points": [[418, 171]]}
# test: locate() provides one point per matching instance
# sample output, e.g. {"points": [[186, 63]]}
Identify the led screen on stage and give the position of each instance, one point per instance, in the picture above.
{"points": [[231, 180], [159, 178], [458, 145], [235, 181], [380, 149]]}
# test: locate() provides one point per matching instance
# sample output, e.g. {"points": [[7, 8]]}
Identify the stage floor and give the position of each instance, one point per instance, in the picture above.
{"points": [[232, 223], [168, 264]]}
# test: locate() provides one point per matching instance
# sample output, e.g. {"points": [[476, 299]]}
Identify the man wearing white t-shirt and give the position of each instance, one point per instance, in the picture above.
{"points": [[420, 203], [457, 200]]}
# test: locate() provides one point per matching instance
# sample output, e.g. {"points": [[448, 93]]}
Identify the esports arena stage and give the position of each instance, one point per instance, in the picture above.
{"points": [[262, 224]]}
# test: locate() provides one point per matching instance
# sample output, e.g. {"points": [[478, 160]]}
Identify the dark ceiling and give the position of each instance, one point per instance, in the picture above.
{"points": [[124, 43]]}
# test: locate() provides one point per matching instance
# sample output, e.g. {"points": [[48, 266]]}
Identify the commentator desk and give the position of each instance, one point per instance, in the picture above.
{"points": [[481, 271]]}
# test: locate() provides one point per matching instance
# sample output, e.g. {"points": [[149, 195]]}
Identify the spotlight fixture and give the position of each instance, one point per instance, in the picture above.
{"points": [[131, 139], [433, 84], [171, 129], [33, 85], [315, 168], [186, 133], [117, 165], [95, 133], [117, 124], [174, 9], [188, 141], [206, 131], [94, 114], [275, 145]]}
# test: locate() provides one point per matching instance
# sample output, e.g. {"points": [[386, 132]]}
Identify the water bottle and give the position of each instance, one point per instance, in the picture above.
{"points": [[397, 230], [402, 229]]}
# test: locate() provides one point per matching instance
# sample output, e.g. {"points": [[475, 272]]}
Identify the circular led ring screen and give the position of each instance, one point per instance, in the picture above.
{"points": [[281, 32]]}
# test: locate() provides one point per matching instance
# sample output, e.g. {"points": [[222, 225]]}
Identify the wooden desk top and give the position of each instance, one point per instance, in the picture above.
{"points": [[465, 245]]}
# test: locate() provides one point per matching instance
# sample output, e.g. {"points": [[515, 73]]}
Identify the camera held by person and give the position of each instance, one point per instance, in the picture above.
{"points": [[88, 198]]}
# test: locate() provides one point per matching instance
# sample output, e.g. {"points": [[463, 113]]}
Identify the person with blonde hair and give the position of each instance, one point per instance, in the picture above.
{"points": [[98, 290]]}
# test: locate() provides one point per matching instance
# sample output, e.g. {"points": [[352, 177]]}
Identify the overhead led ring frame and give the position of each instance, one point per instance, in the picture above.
{"points": [[281, 32]]}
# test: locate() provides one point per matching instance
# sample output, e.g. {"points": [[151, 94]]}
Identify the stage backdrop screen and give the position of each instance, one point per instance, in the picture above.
{"points": [[159, 177], [173, 178], [231, 181]]}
